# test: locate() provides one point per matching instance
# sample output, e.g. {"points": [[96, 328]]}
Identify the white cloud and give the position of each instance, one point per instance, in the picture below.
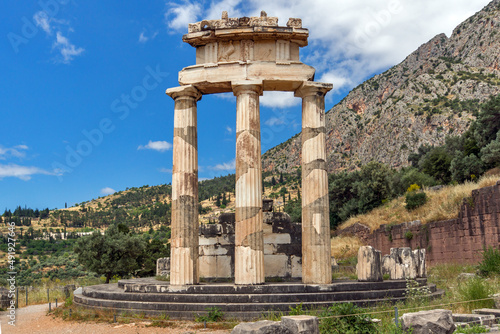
{"points": [[229, 129], [275, 121], [225, 166], [16, 151], [160, 146], [279, 99], [143, 38], [179, 15], [107, 191], [43, 21], [61, 43], [203, 178], [68, 51], [22, 172], [349, 40], [166, 170]]}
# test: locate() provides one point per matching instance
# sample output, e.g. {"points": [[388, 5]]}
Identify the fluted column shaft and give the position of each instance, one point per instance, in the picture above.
{"points": [[316, 258], [184, 241], [249, 237]]}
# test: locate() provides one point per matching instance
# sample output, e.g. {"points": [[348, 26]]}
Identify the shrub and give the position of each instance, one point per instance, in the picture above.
{"points": [[352, 323], [490, 263], [214, 315], [474, 289], [415, 200]]}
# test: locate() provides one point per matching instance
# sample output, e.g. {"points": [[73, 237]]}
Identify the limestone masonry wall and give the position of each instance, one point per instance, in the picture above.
{"points": [[282, 247], [456, 240]]}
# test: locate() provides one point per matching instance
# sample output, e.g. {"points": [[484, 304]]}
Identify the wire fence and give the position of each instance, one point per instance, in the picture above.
{"points": [[55, 296]]}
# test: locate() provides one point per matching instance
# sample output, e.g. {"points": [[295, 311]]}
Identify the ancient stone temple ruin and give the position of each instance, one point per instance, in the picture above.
{"points": [[247, 56]]}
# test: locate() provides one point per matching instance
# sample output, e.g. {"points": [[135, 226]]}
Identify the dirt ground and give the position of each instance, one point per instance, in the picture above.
{"points": [[34, 319]]}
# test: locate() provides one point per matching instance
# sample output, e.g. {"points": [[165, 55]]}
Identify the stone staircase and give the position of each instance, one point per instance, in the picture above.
{"points": [[244, 302]]}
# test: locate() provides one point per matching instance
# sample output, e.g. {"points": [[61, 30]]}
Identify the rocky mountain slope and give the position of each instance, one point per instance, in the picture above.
{"points": [[433, 93]]}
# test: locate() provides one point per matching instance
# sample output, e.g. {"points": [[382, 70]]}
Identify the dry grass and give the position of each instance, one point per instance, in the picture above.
{"points": [[441, 205], [344, 247]]}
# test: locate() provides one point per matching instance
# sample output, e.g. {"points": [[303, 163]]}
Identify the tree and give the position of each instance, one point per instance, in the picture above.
{"points": [[436, 163], [111, 253], [273, 181], [154, 250], [490, 154], [488, 122], [465, 167], [281, 178]]}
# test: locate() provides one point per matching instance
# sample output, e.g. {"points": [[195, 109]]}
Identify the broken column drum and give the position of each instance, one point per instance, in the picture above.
{"points": [[247, 56]]}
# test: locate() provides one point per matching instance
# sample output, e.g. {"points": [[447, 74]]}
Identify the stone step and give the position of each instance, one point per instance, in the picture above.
{"points": [[488, 311], [246, 298], [151, 285], [96, 292], [149, 307]]}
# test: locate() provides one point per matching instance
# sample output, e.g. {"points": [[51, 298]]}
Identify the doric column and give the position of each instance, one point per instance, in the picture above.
{"points": [[249, 237], [316, 261], [184, 241]]}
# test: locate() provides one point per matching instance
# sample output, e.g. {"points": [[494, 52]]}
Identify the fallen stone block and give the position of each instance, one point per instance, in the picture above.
{"points": [[369, 264], [261, 327], [491, 311], [301, 324], [474, 319], [427, 322]]}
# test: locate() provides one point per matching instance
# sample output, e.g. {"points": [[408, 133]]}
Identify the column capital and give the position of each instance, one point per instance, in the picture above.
{"points": [[184, 91], [309, 88], [255, 86]]}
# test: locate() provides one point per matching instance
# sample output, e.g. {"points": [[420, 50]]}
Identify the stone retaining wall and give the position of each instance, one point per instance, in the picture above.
{"points": [[457, 240]]}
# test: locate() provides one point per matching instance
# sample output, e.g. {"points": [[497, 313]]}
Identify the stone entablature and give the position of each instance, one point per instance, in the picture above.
{"points": [[246, 48]]}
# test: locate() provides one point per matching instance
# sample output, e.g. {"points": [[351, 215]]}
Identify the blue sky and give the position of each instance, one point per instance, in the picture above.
{"points": [[84, 110]]}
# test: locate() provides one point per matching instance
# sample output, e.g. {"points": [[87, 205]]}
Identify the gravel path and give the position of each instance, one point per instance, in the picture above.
{"points": [[34, 319]]}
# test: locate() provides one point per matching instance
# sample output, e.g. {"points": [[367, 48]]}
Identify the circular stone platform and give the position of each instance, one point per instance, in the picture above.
{"points": [[244, 302]]}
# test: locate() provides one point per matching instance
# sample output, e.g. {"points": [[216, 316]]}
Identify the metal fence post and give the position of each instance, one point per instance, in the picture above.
{"points": [[396, 316]]}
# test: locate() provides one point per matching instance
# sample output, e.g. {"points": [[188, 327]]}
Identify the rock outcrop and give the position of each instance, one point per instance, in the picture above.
{"points": [[433, 93]]}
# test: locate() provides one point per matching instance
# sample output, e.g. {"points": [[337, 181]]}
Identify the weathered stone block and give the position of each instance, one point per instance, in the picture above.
{"points": [[216, 267], [479, 319], [301, 324], [403, 263], [296, 266], [427, 322], [261, 327], [210, 250], [276, 238], [369, 264], [269, 249], [267, 205], [276, 265], [163, 266]]}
